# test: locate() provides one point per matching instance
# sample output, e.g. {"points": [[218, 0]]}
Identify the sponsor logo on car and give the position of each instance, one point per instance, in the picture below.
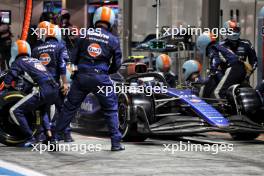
{"points": [[195, 100]]}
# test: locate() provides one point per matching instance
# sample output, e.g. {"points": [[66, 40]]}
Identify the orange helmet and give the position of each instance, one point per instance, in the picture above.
{"points": [[47, 29], [104, 14], [20, 47], [163, 63]]}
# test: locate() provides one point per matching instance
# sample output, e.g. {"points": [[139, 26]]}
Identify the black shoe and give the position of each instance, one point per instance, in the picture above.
{"points": [[117, 148], [41, 137], [48, 140], [68, 137]]}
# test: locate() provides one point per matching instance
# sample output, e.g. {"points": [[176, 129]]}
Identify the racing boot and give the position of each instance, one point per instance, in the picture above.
{"points": [[117, 148], [29, 143], [68, 137], [116, 145], [41, 137]]}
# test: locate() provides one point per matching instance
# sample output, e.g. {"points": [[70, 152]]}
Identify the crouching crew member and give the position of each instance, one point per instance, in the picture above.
{"points": [[98, 55], [43, 96]]}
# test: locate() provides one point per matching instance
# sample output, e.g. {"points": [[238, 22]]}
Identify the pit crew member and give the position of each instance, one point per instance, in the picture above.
{"points": [[53, 54], [98, 55], [225, 64], [240, 47], [35, 71]]}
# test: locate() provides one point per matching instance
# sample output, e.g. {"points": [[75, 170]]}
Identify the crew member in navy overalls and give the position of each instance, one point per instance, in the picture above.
{"points": [[240, 47], [98, 55], [54, 55], [34, 71], [225, 67]]}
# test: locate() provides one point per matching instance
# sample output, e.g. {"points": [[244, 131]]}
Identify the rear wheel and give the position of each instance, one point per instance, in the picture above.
{"points": [[244, 136], [10, 133], [127, 129]]}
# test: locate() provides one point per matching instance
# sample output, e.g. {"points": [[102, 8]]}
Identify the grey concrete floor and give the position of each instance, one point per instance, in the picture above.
{"points": [[147, 158]]}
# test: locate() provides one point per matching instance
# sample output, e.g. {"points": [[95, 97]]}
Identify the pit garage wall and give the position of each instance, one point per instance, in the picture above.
{"points": [[172, 13], [176, 12], [17, 10], [248, 12]]}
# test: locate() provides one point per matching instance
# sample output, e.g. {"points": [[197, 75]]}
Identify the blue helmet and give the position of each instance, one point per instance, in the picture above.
{"points": [[104, 14], [20, 47], [233, 30], [189, 67], [203, 41]]}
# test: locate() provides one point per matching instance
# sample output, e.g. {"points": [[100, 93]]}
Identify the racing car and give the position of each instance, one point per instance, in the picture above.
{"points": [[176, 111], [155, 109]]}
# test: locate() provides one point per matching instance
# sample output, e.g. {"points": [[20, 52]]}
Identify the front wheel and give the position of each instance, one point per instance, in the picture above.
{"points": [[10, 133], [244, 136], [128, 130]]}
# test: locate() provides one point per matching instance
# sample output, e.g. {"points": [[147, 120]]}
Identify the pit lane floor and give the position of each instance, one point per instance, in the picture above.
{"points": [[147, 158]]}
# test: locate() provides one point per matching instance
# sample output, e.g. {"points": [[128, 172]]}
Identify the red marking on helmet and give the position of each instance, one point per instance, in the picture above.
{"points": [[212, 37], [106, 14], [200, 67], [94, 49], [166, 62], [232, 24]]}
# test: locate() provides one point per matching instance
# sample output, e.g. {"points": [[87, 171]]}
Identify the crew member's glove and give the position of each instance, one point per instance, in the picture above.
{"points": [[248, 68], [65, 88], [73, 70]]}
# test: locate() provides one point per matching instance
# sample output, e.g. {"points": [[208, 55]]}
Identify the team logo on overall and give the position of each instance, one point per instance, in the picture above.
{"points": [[44, 58], [94, 50], [40, 67]]}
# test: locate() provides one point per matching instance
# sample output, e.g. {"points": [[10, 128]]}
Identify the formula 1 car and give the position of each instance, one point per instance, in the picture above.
{"points": [[174, 111], [148, 107]]}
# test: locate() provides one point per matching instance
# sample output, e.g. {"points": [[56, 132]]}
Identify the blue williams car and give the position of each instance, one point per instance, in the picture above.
{"points": [[174, 111], [148, 106]]}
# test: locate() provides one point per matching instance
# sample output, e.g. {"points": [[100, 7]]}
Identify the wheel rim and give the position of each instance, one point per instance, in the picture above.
{"points": [[122, 114]]}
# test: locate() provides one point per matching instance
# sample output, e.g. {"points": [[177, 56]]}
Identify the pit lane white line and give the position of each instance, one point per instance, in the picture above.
{"points": [[10, 169]]}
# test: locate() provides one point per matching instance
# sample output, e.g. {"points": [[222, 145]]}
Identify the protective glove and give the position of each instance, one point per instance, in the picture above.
{"points": [[65, 88]]}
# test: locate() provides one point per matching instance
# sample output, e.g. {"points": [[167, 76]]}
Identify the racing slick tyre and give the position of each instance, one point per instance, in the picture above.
{"points": [[244, 136], [127, 129], [10, 133]]}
